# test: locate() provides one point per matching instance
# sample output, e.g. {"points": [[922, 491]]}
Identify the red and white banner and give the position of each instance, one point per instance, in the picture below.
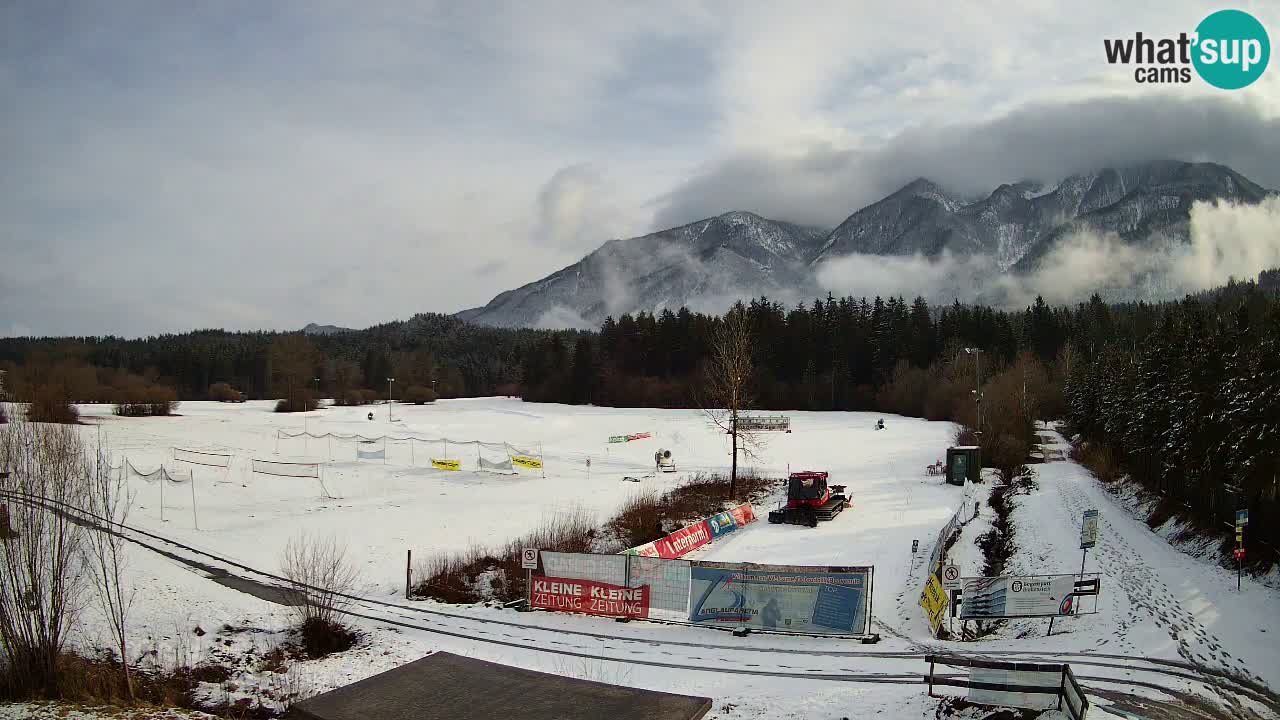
{"points": [[683, 541], [590, 598], [743, 515]]}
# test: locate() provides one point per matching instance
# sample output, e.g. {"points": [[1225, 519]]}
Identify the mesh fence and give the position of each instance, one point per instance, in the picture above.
{"points": [[668, 582], [287, 469], [202, 457]]}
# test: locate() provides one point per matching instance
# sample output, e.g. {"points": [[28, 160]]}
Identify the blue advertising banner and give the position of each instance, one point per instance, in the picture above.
{"points": [[721, 524], [785, 598]]}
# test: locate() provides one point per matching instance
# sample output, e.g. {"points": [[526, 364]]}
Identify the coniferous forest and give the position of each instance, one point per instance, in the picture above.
{"points": [[1182, 397]]}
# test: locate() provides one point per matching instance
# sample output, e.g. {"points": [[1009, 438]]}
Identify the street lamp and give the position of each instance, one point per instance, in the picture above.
{"points": [[977, 393], [389, 381]]}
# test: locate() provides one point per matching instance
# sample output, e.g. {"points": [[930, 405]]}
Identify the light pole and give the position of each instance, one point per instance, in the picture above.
{"points": [[977, 374], [389, 381]]}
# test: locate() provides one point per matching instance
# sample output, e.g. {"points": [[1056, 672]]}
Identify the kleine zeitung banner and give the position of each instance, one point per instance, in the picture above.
{"points": [[589, 597]]}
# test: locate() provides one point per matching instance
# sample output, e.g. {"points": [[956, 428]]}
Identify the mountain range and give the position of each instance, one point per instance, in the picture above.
{"points": [[709, 263]]}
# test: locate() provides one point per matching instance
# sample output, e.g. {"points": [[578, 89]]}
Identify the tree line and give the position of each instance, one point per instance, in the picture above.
{"points": [[435, 353]]}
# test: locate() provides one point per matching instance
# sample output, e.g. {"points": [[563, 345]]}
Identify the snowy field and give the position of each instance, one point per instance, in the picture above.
{"points": [[1157, 603]]}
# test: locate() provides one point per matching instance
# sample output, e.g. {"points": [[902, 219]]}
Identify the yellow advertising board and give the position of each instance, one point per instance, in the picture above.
{"points": [[934, 602], [446, 464], [525, 461]]}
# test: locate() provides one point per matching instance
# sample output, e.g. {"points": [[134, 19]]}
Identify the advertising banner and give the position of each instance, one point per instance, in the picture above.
{"points": [[645, 550], [588, 597], [525, 461], [1009, 597], [934, 602], [780, 597], [743, 515], [721, 524], [446, 464], [684, 540], [629, 438]]}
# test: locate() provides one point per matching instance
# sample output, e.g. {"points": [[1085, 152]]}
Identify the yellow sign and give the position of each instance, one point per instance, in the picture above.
{"points": [[446, 464], [526, 461], [934, 601]]}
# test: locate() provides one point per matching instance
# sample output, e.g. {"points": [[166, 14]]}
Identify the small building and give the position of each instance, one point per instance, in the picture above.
{"points": [[964, 462], [443, 686]]}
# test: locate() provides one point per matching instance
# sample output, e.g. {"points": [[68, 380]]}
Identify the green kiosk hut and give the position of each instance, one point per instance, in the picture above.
{"points": [[964, 462]]}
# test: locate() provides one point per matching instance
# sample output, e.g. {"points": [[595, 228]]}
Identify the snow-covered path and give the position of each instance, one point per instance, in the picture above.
{"points": [[1159, 601]]}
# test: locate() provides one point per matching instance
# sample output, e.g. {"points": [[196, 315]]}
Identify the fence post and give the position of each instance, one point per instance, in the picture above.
{"points": [[1062, 688], [871, 599], [408, 572], [931, 658], [194, 520]]}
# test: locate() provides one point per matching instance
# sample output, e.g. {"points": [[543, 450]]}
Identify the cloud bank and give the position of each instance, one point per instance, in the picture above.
{"points": [[1227, 241]]}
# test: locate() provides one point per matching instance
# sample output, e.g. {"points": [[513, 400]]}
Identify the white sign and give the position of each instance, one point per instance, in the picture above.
{"points": [[951, 578], [1005, 597], [1089, 529], [529, 559]]}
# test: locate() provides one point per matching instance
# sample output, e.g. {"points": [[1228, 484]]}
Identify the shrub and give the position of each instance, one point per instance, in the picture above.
{"points": [[138, 401], [50, 404], [161, 400], [1099, 458], [703, 495], [223, 392], [418, 395], [300, 401], [355, 397], [479, 573], [320, 577]]}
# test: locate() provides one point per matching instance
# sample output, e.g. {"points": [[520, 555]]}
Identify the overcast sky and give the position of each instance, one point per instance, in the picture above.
{"points": [[165, 166]]}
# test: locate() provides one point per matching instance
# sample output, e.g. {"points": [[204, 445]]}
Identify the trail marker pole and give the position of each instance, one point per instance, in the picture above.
{"points": [[163, 475], [1242, 519], [194, 520], [408, 572]]}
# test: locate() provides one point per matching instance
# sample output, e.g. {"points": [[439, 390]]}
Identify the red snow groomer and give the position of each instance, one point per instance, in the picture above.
{"points": [[809, 500]]}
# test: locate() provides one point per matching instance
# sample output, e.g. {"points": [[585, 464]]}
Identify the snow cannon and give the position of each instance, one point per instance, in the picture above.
{"points": [[662, 460], [810, 499]]}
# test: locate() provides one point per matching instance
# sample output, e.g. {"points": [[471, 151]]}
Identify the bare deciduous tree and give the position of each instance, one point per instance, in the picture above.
{"points": [[727, 386], [319, 577], [109, 499], [41, 565]]}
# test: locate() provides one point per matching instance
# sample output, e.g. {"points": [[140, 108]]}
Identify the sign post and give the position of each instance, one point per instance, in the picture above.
{"points": [[951, 578], [951, 584], [1088, 535], [529, 561], [1242, 519]]}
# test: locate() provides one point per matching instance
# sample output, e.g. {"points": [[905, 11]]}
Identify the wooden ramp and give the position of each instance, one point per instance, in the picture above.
{"points": [[443, 686]]}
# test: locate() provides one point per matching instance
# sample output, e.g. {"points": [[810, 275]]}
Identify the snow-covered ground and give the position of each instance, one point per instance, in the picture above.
{"points": [[1156, 602]]}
